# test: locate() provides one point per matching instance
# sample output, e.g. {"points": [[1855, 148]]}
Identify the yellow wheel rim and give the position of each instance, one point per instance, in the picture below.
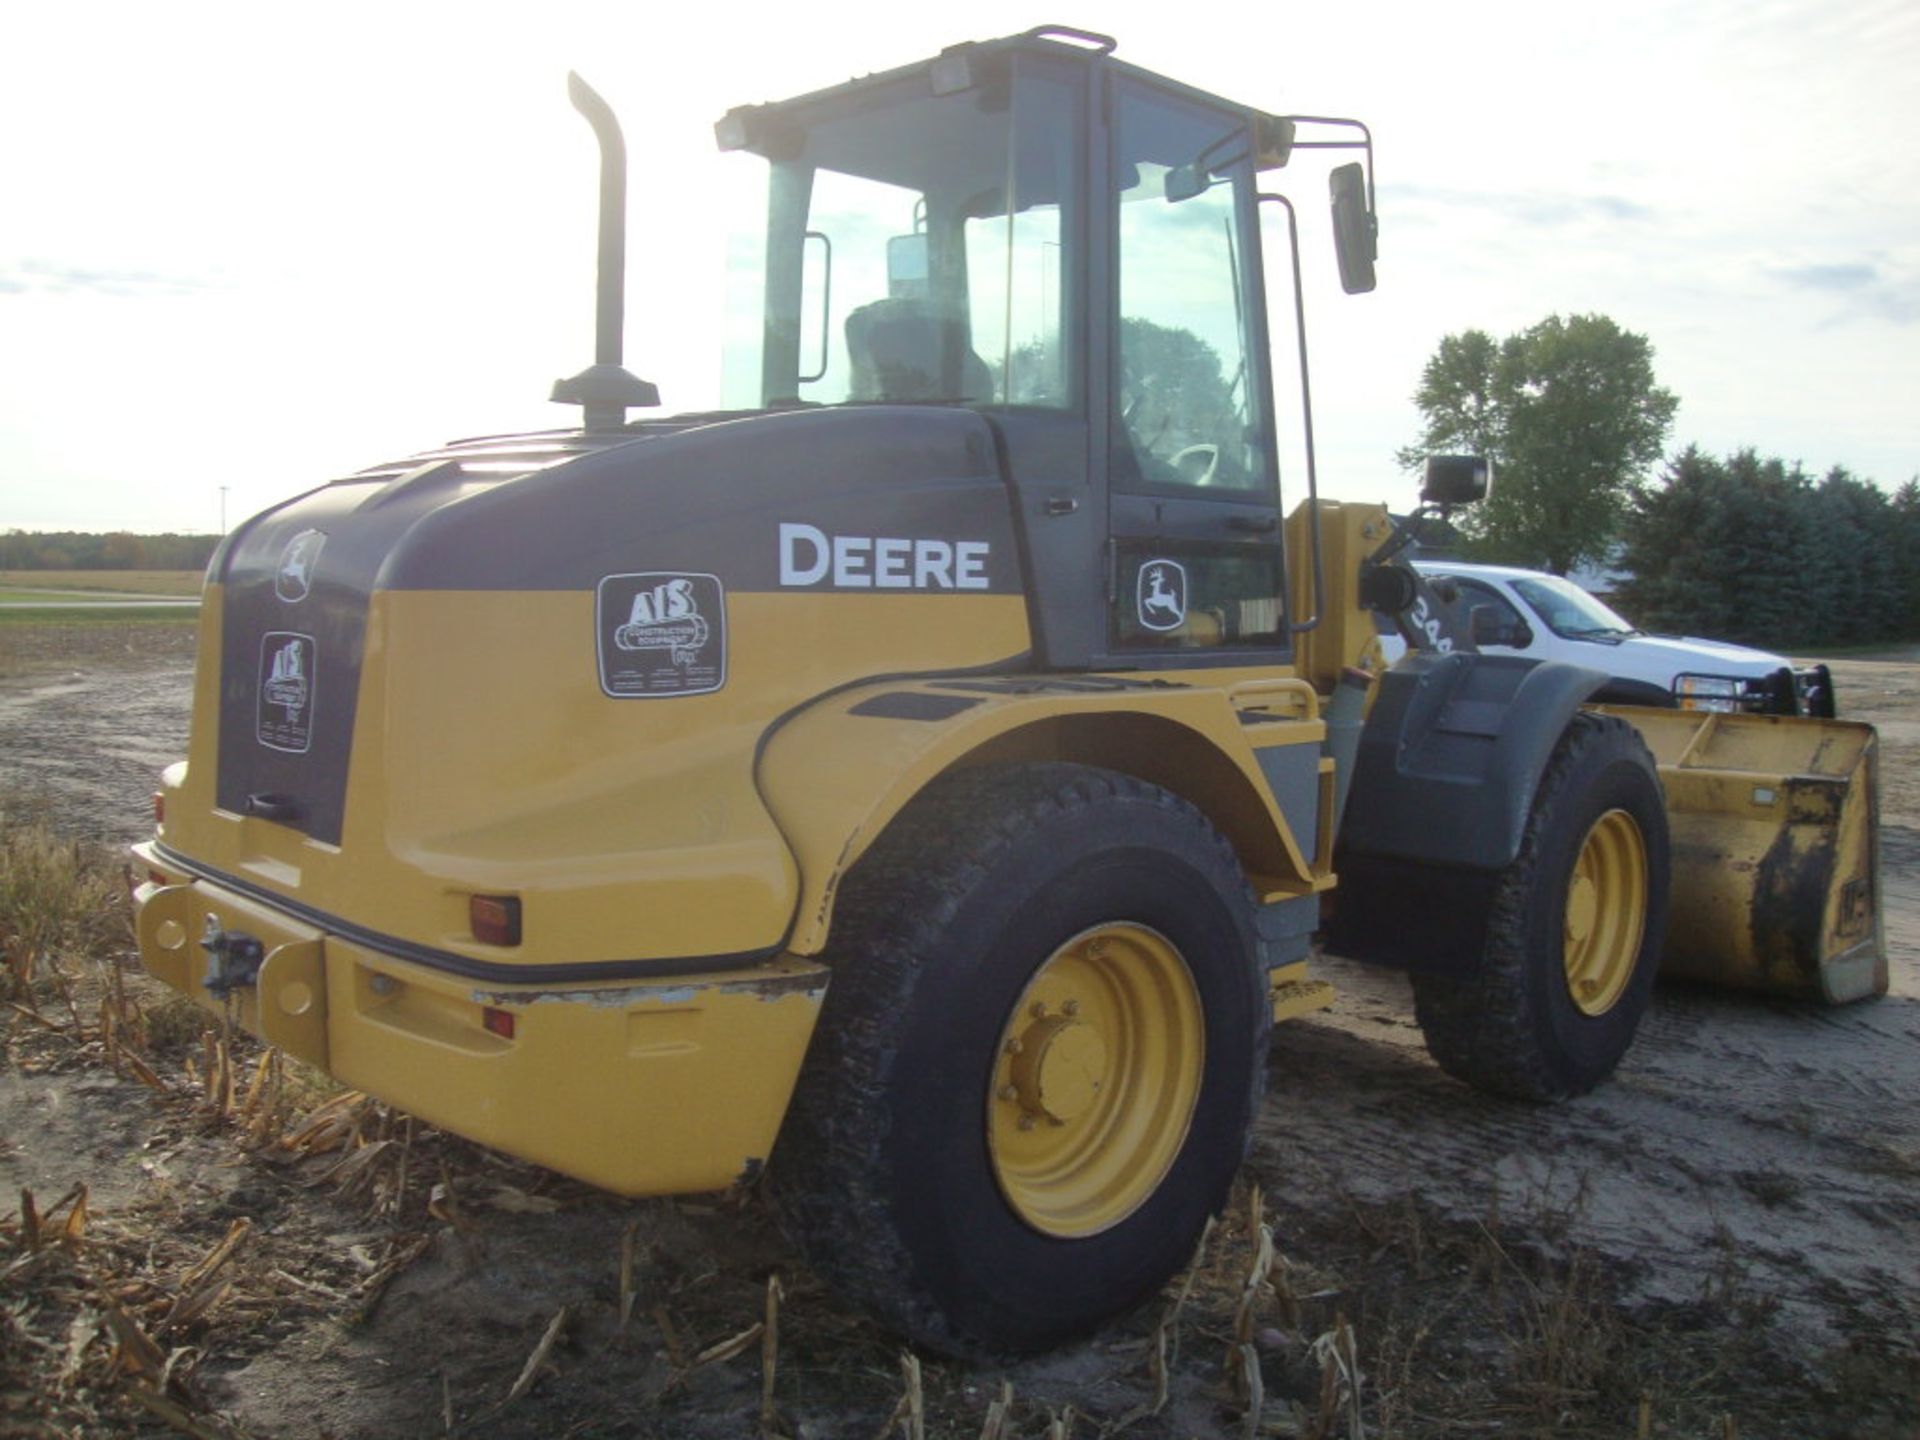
{"points": [[1606, 912], [1095, 1080]]}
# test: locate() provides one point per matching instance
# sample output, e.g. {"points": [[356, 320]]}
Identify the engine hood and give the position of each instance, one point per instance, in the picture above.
{"points": [[1665, 656], [660, 525]]}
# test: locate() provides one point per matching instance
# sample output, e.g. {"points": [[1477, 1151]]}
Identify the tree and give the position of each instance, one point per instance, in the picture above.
{"points": [[1173, 390], [1753, 550], [1906, 549], [123, 551], [1720, 550], [120, 550], [1851, 547], [1568, 412]]}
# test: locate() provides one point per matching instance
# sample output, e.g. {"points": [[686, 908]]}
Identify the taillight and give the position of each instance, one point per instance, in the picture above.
{"points": [[500, 1022], [159, 809], [494, 919]]}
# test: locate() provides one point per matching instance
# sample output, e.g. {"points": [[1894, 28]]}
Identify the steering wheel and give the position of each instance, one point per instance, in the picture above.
{"points": [[1197, 464]]}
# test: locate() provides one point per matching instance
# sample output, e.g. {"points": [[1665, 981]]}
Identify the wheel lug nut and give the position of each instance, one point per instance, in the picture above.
{"points": [[1014, 1047], [1039, 1010], [1026, 1122], [1072, 1007], [1007, 1092]]}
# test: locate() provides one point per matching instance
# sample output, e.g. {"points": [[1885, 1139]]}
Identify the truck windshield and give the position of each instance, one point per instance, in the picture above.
{"points": [[908, 248], [1569, 611]]}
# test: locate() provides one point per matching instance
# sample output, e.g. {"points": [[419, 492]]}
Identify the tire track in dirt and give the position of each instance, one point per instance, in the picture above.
{"points": [[1745, 1141], [93, 734]]}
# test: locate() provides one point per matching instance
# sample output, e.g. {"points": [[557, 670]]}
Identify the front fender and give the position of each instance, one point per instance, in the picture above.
{"points": [[1451, 753], [1449, 762]]}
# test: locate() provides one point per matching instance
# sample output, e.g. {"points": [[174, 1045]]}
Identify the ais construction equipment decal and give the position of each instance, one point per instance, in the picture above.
{"points": [[284, 709], [661, 635]]}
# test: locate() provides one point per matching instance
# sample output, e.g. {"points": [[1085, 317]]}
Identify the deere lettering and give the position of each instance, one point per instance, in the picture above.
{"points": [[810, 556]]}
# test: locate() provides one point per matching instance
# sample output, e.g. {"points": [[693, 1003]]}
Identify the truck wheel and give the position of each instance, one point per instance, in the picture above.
{"points": [[1038, 1062], [1575, 929]]}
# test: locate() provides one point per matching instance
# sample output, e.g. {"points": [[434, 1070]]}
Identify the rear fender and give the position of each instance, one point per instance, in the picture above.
{"points": [[837, 773]]}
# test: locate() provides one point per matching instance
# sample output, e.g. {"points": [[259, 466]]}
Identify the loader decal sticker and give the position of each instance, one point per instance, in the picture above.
{"points": [[284, 707], [661, 635], [294, 577], [1162, 594]]}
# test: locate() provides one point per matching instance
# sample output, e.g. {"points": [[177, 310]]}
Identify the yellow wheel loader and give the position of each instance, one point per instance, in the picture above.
{"points": [[928, 775]]}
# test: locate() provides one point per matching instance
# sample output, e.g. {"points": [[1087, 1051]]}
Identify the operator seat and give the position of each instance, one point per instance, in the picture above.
{"points": [[903, 350]]}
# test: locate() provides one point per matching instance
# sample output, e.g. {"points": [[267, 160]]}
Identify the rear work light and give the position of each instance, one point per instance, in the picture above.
{"points": [[494, 919]]}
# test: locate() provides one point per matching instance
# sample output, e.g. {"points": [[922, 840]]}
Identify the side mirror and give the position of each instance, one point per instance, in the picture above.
{"points": [[1456, 480], [1183, 182], [1355, 232], [1488, 626]]}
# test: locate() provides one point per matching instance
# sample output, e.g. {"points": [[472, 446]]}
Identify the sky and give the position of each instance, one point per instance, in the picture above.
{"points": [[245, 248]]}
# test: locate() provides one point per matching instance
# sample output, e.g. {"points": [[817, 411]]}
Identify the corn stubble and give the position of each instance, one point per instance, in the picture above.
{"points": [[1309, 1321]]}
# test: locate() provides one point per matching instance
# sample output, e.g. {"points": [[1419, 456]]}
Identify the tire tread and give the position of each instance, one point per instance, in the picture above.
{"points": [[829, 1166], [1487, 1030]]}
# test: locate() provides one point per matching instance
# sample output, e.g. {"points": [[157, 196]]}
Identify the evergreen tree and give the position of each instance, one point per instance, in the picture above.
{"points": [[1906, 553], [1752, 550]]}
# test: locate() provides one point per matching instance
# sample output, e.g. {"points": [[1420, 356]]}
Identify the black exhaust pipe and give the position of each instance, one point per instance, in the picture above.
{"points": [[605, 389]]}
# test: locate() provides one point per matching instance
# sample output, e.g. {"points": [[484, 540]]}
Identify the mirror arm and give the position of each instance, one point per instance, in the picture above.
{"points": [[1306, 417], [1363, 144]]}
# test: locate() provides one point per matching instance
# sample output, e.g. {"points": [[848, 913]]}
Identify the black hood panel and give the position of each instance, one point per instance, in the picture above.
{"points": [[553, 513], [296, 582]]}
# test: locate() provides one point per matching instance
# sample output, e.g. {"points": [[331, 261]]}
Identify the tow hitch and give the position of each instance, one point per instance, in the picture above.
{"points": [[233, 958]]}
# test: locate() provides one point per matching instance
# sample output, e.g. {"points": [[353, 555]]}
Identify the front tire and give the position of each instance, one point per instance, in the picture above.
{"points": [[1038, 1063], [1574, 932]]}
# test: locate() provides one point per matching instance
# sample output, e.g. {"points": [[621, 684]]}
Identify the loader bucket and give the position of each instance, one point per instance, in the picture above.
{"points": [[1776, 851]]}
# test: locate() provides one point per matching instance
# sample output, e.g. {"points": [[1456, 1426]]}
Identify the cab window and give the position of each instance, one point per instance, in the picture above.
{"points": [[1184, 404]]}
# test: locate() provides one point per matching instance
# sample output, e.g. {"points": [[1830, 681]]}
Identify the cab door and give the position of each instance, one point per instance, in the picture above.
{"points": [[1196, 556]]}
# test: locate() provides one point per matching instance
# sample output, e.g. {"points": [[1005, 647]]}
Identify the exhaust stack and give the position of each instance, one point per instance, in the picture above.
{"points": [[605, 389]]}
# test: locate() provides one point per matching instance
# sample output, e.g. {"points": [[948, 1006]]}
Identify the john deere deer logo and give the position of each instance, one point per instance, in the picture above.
{"points": [[1163, 595], [294, 578]]}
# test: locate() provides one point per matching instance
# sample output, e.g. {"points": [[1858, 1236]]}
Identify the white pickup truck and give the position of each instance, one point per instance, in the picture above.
{"points": [[1548, 617]]}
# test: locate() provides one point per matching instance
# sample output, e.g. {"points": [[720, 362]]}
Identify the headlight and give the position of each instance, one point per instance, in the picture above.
{"points": [[1707, 692]]}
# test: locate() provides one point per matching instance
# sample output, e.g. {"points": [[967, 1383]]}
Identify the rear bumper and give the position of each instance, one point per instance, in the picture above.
{"points": [[666, 1086]]}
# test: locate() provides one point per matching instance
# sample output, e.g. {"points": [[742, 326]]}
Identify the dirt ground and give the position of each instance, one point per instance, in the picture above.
{"points": [[1724, 1240]]}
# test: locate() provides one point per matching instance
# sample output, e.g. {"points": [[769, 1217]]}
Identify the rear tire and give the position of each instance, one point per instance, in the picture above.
{"points": [[1038, 1063], [1574, 933]]}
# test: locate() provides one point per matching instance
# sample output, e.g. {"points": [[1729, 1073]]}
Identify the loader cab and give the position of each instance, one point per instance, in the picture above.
{"points": [[1070, 247]]}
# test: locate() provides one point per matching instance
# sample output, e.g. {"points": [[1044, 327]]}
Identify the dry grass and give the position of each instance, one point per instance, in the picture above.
{"points": [[178, 583], [1295, 1319], [62, 903]]}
